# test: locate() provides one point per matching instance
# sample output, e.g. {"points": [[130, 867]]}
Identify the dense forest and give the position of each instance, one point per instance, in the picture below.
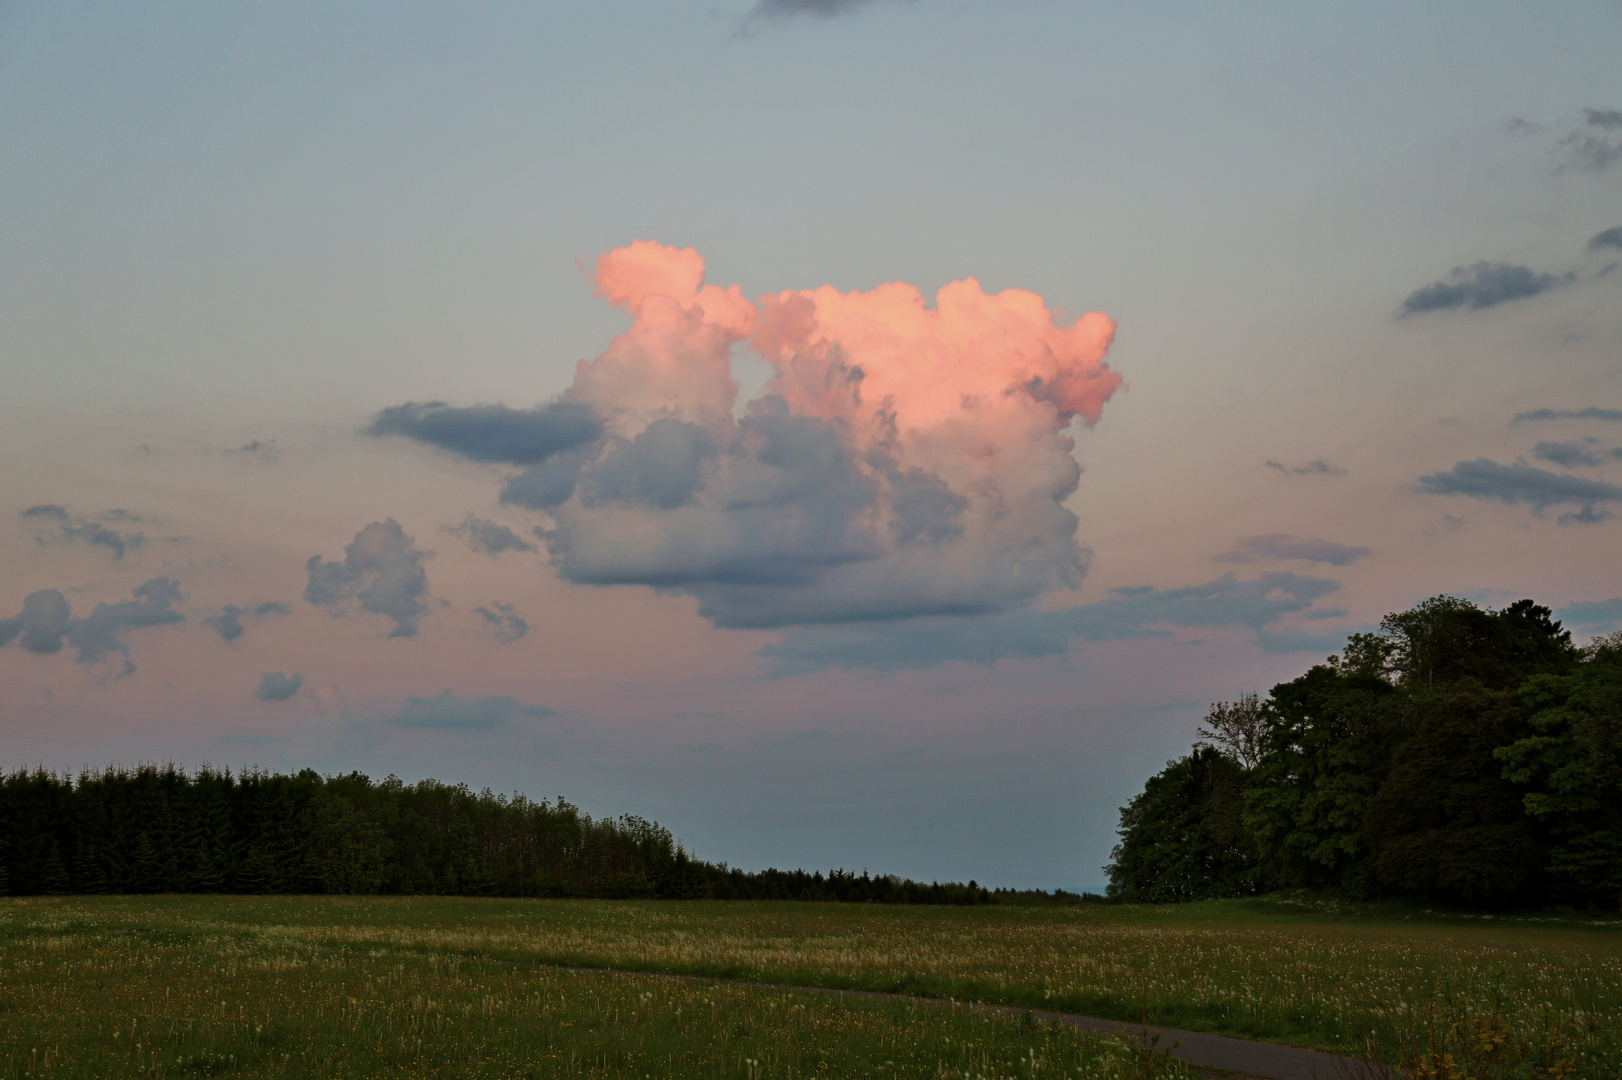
{"points": [[1458, 755], [162, 830]]}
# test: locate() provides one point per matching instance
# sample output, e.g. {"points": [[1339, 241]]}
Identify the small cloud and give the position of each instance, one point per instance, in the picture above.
{"points": [[1591, 413], [275, 686], [1517, 125], [1577, 452], [228, 623], [381, 571], [1483, 285], [451, 713], [489, 537], [1284, 546], [1588, 515], [1524, 484], [264, 450], [1610, 238], [503, 622], [46, 622], [1592, 148], [1315, 467], [493, 433], [783, 10], [69, 527]]}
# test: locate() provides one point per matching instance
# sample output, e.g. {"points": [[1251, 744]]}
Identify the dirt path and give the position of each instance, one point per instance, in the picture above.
{"points": [[1244, 1058]]}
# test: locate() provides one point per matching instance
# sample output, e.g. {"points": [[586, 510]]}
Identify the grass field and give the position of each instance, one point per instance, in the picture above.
{"points": [[114, 986]]}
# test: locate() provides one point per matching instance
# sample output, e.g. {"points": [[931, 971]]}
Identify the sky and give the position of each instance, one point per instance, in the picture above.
{"points": [[856, 433]]}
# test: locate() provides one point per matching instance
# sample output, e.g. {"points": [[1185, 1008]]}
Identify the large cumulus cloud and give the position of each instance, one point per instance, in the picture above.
{"points": [[903, 459]]}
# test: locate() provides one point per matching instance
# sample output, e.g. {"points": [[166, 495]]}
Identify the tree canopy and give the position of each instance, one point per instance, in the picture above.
{"points": [[1457, 755]]}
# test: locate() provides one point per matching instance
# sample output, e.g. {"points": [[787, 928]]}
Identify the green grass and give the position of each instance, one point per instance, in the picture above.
{"points": [[171, 987], [1287, 969]]}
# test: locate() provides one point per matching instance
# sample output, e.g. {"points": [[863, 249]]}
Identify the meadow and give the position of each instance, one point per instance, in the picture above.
{"points": [[352, 986]]}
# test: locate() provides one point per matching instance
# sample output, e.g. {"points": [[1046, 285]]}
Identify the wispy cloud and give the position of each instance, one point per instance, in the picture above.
{"points": [[1483, 285], [1285, 546], [1315, 467], [766, 11], [502, 622], [1259, 603], [1577, 452], [489, 537], [1592, 147], [1610, 238], [1591, 413], [228, 622], [54, 524], [451, 713], [1523, 484]]}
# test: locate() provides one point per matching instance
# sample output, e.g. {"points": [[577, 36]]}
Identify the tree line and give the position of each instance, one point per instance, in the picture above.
{"points": [[155, 829], [1458, 755]]}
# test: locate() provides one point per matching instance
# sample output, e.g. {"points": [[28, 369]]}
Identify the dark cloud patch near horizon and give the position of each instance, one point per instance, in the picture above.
{"points": [[493, 433], [1610, 238], [229, 622], [1127, 613], [1592, 616], [1480, 286], [276, 686], [1315, 467], [1526, 485], [381, 572], [489, 537], [46, 510], [502, 622], [448, 712], [1577, 452], [1285, 546], [46, 622]]}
